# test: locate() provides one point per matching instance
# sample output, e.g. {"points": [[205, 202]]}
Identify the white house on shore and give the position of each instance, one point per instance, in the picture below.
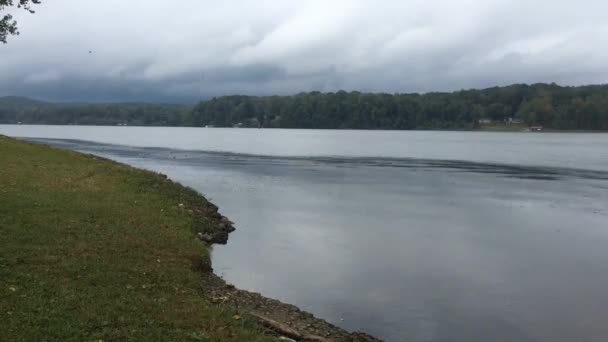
{"points": [[514, 121]]}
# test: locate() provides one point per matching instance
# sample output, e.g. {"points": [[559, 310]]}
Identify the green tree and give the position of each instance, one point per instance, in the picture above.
{"points": [[8, 26]]}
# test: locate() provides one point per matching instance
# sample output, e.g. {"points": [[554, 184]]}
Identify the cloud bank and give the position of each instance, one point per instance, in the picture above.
{"points": [[114, 50]]}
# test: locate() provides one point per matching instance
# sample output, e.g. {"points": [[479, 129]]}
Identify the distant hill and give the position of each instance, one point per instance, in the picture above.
{"points": [[516, 106], [20, 102], [24, 110]]}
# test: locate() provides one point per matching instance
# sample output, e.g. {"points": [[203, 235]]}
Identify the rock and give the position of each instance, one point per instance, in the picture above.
{"points": [[220, 238], [283, 338], [226, 221], [205, 237], [220, 234]]}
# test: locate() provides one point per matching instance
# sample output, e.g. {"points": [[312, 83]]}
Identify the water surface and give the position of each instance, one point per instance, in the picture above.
{"points": [[418, 236]]}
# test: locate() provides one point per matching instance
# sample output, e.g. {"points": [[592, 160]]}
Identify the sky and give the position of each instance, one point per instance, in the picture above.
{"points": [[187, 50]]}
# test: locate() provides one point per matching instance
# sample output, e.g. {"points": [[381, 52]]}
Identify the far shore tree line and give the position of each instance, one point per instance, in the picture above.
{"points": [[548, 105]]}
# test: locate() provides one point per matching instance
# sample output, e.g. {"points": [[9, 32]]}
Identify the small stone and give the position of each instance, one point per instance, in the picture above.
{"points": [[283, 338], [205, 237]]}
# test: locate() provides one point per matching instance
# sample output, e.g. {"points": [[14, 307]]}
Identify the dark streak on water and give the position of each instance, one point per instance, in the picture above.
{"points": [[193, 156]]}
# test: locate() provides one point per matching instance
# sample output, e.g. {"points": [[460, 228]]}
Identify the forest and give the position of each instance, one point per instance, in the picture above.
{"points": [[547, 105]]}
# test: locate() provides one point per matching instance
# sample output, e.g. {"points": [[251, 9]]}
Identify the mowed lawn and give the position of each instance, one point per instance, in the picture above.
{"points": [[92, 250]]}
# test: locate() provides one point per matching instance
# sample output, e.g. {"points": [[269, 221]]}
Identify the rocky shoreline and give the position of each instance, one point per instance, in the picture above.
{"points": [[283, 320]]}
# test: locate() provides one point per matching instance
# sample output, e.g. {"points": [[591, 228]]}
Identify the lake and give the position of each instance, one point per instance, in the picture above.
{"points": [[417, 236]]}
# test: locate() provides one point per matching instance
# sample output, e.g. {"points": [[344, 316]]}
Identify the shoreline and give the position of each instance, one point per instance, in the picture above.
{"points": [[505, 129], [283, 319], [208, 227]]}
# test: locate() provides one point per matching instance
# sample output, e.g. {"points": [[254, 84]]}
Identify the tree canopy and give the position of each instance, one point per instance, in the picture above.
{"points": [[8, 26], [548, 105]]}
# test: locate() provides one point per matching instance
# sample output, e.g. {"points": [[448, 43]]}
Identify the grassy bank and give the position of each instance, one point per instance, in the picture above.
{"points": [[93, 250]]}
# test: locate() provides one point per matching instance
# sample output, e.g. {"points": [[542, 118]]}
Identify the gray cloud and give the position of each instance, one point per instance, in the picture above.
{"points": [[167, 51]]}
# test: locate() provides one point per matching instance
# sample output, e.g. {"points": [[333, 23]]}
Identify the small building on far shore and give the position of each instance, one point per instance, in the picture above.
{"points": [[535, 128], [514, 121], [485, 121]]}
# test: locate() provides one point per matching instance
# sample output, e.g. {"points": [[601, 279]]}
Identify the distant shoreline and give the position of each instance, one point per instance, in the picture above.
{"points": [[484, 130], [548, 105]]}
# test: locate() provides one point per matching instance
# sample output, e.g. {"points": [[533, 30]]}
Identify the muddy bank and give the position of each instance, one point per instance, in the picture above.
{"points": [[280, 319]]}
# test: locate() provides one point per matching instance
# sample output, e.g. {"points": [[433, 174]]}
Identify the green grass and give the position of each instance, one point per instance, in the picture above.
{"points": [[94, 250]]}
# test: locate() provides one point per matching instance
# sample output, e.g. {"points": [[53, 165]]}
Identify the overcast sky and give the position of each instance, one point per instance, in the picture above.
{"points": [[180, 51]]}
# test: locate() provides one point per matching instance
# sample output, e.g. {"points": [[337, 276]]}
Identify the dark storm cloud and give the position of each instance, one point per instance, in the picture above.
{"points": [[161, 51]]}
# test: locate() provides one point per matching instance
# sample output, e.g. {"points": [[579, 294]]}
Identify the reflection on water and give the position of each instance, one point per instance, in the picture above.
{"points": [[409, 249]]}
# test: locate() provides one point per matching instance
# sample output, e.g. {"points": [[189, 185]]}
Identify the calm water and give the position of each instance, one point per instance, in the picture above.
{"points": [[418, 236]]}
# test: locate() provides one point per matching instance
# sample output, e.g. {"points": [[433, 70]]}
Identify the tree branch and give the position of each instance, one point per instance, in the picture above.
{"points": [[8, 26]]}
